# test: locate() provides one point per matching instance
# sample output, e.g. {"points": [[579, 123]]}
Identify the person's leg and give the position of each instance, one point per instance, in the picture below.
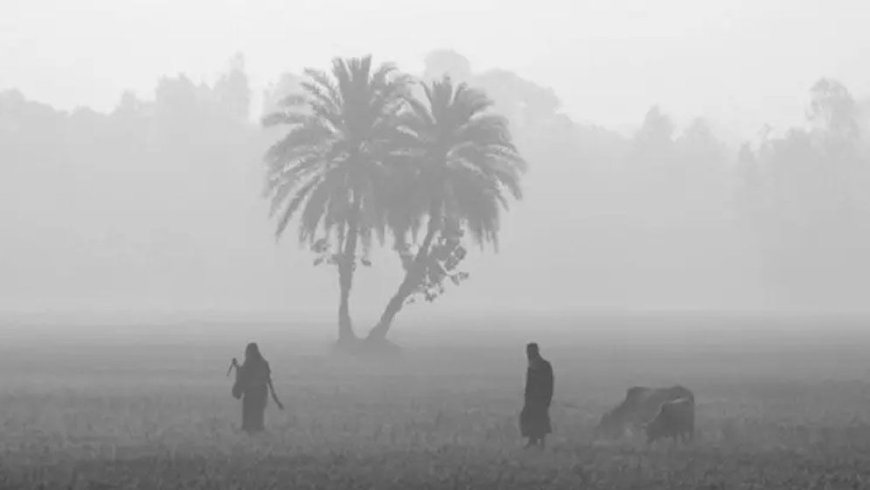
{"points": [[253, 410], [246, 413], [259, 422], [260, 411]]}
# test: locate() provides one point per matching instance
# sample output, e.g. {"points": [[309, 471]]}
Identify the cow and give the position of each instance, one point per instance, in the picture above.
{"points": [[675, 419], [640, 406]]}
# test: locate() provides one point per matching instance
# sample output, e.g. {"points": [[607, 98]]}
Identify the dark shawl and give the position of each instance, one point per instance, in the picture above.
{"points": [[535, 417], [252, 384]]}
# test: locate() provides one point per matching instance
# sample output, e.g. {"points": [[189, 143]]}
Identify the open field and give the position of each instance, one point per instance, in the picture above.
{"points": [[781, 405]]}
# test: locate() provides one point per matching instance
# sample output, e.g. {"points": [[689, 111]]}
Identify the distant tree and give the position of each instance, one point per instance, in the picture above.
{"points": [[288, 84], [441, 63], [129, 105], [701, 162], [699, 143], [529, 107], [834, 108], [177, 107], [332, 166], [804, 193], [461, 167], [232, 90], [655, 137], [176, 96]]}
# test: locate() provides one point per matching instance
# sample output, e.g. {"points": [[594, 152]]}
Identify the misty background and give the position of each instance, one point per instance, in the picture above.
{"points": [[682, 156]]}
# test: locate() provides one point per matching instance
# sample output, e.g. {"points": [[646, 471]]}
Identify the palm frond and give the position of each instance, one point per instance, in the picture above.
{"points": [[486, 130], [281, 185], [298, 141], [291, 209], [465, 158], [471, 102], [295, 100], [329, 94], [316, 206], [342, 147]]}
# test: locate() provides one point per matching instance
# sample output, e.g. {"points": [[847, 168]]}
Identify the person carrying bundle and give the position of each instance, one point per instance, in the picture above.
{"points": [[252, 385]]}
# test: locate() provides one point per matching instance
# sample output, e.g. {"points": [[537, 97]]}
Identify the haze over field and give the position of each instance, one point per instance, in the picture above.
{"points": [[151, 201], [390, 211]]}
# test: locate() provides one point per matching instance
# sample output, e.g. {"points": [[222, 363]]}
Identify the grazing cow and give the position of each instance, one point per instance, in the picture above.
{"points": [[641, 404], [675, 419]]}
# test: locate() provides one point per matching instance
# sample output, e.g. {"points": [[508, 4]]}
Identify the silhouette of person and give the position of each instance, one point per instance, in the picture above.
{"points": [[253, 384], [535, 417]]}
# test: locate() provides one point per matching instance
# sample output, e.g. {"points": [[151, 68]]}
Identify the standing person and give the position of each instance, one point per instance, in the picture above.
{"points": [[535, 417], [253, 381]]}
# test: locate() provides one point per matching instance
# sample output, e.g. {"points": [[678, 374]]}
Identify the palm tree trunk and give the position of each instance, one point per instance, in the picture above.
{"points": [[345, 277], [413, 276], [345, 326]]}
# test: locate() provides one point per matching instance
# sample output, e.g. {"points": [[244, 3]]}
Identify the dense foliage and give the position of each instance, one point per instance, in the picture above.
{"points": [[154, 206]]}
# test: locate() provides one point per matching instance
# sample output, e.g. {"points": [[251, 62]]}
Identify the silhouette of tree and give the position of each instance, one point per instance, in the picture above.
{"points": [[833, 106], [441, 63], [232, 90], [526, 105], [655, 138], [805, 193], [287, 84], [332, 166], [461, 168]]}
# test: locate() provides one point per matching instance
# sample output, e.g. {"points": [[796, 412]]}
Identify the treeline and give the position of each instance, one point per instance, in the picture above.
{"points": [[146, 207], [158, 205]]}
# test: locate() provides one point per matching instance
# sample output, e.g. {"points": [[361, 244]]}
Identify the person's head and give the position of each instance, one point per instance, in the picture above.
{"points": [[532, 351], [252, 352]]}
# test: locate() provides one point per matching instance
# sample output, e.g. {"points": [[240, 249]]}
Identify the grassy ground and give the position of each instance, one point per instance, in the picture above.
{"points": [[151, 408]]}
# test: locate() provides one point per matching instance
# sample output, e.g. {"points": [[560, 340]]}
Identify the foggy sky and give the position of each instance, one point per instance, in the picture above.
{"points": [[743, 63]]}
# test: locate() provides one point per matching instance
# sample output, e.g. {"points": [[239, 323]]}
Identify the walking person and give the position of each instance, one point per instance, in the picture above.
{"points": [[535, 417], [253, 385]]}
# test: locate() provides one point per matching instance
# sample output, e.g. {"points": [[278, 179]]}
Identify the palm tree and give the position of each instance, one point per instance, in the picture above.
{"points": [[331, 166], [461, 165]]}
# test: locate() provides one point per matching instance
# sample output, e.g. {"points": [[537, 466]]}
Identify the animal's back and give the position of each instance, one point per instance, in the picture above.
{"points": [[677, 393], [640, 405], [646, 402], [675, 418]]}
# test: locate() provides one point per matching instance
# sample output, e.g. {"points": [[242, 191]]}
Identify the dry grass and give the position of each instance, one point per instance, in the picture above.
{"points": [[160, 416]]}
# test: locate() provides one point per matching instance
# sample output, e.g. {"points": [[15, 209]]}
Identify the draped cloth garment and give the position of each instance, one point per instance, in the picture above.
{"points": [[535, 416], [252, 386]]}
